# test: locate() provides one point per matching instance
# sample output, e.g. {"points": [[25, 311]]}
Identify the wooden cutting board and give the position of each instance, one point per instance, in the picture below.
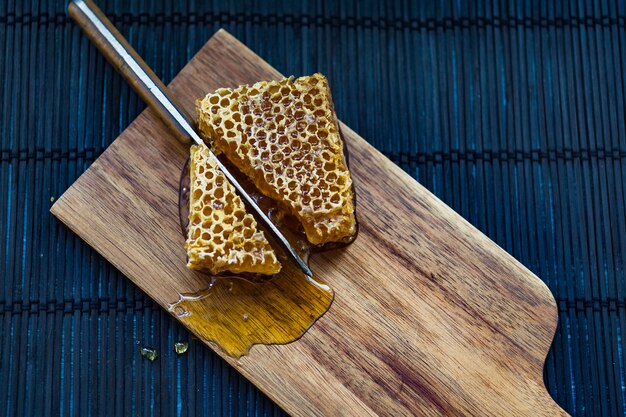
{"points": [[430, 316]]}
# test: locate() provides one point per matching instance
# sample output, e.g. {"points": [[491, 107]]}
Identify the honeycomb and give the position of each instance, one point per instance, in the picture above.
{"points": [[284, 136], [221, 235]]}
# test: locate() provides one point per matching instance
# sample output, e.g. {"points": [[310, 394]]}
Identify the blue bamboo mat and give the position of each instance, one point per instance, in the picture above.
{"points": [[512, 113]]}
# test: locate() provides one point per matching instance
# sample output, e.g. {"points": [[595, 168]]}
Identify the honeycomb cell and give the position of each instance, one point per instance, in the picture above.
{"points": [[221, 236], [297, 115]]}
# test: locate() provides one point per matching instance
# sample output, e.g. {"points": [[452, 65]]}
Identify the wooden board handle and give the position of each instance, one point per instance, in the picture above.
{"points": [[127, 62]]}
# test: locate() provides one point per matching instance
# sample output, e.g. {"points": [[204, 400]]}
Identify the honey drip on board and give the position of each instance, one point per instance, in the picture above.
{"points": [[237, 312]]}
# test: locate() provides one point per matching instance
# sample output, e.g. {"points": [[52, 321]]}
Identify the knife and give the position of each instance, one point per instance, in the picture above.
{"points": [[145, 82]]}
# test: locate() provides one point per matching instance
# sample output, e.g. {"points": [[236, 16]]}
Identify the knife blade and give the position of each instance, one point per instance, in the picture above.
{"points": [[145, 82]]}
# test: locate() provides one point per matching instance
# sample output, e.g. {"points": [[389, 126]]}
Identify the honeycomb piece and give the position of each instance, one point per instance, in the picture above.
{"points": [[221, 235], [284, 136]]}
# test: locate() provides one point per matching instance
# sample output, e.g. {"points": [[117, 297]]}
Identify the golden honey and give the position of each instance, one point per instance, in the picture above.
{"points": [[235, 313], [281, 140]]}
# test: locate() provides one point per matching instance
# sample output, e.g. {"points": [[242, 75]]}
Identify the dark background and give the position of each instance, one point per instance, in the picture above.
{"points": [[512, 113]]}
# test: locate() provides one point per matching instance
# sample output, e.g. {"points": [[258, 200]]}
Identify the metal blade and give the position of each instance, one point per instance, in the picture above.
{"points": [[145, 82]]}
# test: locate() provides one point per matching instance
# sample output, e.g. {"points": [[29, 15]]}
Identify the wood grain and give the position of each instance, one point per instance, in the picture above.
{"points": [[430, 317]]}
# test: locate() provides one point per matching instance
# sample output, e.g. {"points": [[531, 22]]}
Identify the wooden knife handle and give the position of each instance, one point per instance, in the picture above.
{"points": [[127, 62]]}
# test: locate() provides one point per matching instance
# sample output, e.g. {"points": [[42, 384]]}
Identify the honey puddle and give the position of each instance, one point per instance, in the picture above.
{"points": [[238, 312]]}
